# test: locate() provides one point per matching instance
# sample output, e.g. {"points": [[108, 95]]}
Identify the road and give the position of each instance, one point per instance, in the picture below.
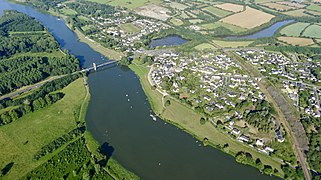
{"points": [[282, 107]]}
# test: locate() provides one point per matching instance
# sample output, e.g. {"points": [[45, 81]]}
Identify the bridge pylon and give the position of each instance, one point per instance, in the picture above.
{"points": [[95, 67]]}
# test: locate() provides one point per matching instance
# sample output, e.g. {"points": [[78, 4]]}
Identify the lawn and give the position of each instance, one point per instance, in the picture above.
{"points": [[21, 139], [217, 11], [188, 120], [313, 31], [294, 29], [129, 28], [204, 46], [232, 44]]}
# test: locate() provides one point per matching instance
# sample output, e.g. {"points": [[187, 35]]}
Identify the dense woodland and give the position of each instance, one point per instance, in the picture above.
{"points": [[20, 61]]}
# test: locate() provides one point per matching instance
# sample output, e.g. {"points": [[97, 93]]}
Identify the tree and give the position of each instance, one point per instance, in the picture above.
{"points": [[167, 103], [202, 121]]}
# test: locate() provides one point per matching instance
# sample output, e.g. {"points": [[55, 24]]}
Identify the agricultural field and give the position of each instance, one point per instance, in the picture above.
{"points": [[294, 29], [313, 31], [250, 18], [129, 28], [68, 11], [317, 1], [216, 11], [232, 44], [296, 41], [278, 7], [230, 7], [178, 6], [218, 24], [195, 21], [296, 13], [293, 4], [314, 7], [184, 15], [204, 46]]}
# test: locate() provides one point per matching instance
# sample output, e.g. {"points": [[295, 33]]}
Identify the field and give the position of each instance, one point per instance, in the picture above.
{"points": [[129, 28], [250, 18], [279, 7], [317, 1], [232, 44], [154, 11], [314, 7], [216, 11], [218, 24], [230, 7], [294, 29], [68, 11], [20, 140], [313, 31], [130, 4], [296, 13], [178, 6], [204, 46], [176, 22], [195, 21], [296, 41], [188, 120]]}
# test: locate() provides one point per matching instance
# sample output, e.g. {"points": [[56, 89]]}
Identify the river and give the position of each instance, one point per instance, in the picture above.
{"points": [[151, 149]]}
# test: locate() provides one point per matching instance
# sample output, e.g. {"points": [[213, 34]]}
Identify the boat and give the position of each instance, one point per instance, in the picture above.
{"points": [[153, 117]]}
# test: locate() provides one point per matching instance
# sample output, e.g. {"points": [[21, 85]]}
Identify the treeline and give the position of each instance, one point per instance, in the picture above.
{"points": [[18, 22], [30, 106], [20, 71], [91, 8], [309, 51], [55, 144]]}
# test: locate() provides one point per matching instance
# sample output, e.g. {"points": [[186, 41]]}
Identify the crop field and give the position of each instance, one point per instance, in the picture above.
{"points": [[296, 41], [294, 29], [20, 140], [314, 7], [218, 24], [230, 7], [314, 13], [250, 18], [178, 6], [204, 46], [216, 11], [129, 28], [232, 44], [279, 7], [296, 13], [297, 5], [313, 31]]}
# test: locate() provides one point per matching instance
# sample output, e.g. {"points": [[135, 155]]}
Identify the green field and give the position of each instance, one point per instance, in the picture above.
{"points": [[314, 7], [176, 22], [218, 24], [313, 31], [68, 12], [204, 46], [294, 29], [87, 27], [129, 28], [130, 4], [20, 140], [188, 120], [232, 44], [217, 12]]}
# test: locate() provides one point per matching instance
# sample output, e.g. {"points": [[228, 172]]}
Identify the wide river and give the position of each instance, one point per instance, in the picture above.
{"points": [[151, 149]]}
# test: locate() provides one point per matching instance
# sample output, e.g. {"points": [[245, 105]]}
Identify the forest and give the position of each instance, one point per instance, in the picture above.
{"points": [[29, 57]]}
